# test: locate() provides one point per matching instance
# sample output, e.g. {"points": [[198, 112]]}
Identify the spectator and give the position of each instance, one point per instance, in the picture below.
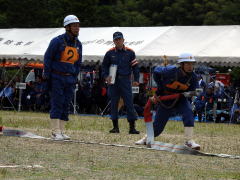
{"points": [[28, 97], [201, 82], [99, 95], [235, 110], [7, 95], [205, 100], [40, 94], [140, 99], [235, 113]]}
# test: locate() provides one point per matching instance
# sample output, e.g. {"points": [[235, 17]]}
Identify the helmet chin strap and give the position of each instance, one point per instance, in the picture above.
{"points": [[70, 31], [187, 73], [182, 67]]}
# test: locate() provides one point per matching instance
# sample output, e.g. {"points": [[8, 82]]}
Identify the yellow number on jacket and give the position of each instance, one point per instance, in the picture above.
{"points": [[69, 55]]}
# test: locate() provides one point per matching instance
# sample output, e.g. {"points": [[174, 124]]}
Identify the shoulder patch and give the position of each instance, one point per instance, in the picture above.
{"points": [[112, 49], [129, 49]]}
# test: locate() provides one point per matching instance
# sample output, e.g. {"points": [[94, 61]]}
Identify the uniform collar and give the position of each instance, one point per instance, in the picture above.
{"points": [[123, 49], [68, 37], [183, 73]]}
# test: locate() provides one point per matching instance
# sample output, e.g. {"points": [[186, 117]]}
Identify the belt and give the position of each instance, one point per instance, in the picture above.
{"points": [[61, 73]]}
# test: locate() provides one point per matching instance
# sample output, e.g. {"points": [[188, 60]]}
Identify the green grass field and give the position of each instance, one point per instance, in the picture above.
{"points": [[62, 160]]}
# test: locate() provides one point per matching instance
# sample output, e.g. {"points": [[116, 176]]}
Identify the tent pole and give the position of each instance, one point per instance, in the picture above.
{"points": [[150, 76], [20, 90], [3, 70], [20, 99], [75, 100]]}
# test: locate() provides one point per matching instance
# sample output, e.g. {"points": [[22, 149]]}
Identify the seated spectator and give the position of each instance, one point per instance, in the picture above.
{"points": [[40, 96], [140, 99], [235, 110], [99, 95], [1, 85], [7, 91], [84, 99], [235, 113], [28, 99], [6, 95], [218, 86], [201, 82], [205, 100]]}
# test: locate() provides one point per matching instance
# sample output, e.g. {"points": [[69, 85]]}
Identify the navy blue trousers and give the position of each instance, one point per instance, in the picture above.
{"points": [[182, 108], [122, 88], [62, 92]]}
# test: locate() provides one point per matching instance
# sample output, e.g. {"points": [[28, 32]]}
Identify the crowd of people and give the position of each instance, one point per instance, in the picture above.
{"points": [[215, 102], [92, 97], [33, 98]]}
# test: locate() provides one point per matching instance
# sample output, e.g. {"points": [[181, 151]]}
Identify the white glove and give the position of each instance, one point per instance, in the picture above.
{"points": [[28, 96], [188, 94], [198, 91]]}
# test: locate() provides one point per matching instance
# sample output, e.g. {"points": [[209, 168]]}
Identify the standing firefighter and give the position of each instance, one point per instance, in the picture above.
{"points": [[172, 80], [61, 67], [123, 59]]}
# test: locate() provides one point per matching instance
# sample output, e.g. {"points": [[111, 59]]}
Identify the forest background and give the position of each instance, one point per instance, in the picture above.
{"points": [[128, 13]]}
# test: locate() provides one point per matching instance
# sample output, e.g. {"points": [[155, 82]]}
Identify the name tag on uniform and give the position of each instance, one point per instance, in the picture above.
{"points": [[135, 89]]}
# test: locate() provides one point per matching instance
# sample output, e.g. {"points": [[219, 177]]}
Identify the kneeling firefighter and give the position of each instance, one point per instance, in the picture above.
{"points": [[171, 80]]}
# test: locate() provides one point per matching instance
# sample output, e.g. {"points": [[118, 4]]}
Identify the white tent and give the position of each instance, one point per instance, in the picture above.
{"points": [[214, 45]]}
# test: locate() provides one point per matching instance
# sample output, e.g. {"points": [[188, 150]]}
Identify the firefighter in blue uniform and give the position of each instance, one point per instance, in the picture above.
{"points": [[172, 80], [235, 110], [125, 60], [205, 100], [61, 67]]}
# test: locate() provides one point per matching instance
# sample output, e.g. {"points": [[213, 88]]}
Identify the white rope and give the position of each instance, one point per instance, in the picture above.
{"points": [[21, 166], [156, 145]]}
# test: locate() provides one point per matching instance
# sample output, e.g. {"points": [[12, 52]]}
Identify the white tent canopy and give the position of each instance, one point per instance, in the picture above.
{"points": [[215, 45]]}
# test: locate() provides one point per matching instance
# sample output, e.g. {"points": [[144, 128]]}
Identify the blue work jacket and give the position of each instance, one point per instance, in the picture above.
{"points": [[53, 54], [167, 75], [123, 59]]}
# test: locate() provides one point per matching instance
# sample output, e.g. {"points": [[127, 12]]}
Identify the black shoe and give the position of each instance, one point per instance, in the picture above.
{"points": [[114, 130], [133, 131]]}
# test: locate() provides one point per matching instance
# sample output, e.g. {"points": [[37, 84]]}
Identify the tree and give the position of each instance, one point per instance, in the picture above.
{"points": [[97, 13]]}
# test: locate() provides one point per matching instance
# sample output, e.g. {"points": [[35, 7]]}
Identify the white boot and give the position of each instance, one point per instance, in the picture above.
{"points": [[56, 133], [142, 141], [62, 126], [188, 134]]}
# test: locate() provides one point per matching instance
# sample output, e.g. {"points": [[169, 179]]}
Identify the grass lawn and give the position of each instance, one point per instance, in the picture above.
{"points": [[61, 160]]}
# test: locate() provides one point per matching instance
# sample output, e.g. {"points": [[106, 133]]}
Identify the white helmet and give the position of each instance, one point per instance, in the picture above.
{"points": [[186, 57], [70, 19]]}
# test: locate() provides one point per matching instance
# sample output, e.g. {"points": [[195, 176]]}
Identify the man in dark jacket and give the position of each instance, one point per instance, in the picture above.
{"points": [[123, 61]]}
